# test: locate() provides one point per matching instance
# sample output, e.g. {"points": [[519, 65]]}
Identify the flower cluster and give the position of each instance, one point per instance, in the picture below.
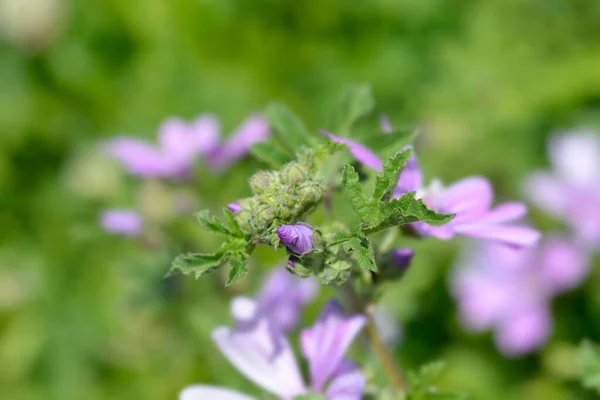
{"points": [[510, 290], [179, 146]]}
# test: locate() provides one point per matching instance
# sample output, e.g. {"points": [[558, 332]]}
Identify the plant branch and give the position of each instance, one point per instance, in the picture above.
{"points": [[382, 352]]}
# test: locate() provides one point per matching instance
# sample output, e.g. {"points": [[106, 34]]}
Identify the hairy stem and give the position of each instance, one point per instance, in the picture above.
{"points": [[382, 352]]}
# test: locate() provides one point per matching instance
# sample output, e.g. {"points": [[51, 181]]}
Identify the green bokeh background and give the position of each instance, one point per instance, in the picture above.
{"points": [[84, 315]]}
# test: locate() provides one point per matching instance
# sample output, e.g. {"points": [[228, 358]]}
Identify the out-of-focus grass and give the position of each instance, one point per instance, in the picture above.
{"points": [[87, 316]]}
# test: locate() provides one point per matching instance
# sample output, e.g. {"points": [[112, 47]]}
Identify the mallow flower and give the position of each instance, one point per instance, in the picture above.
{"points": [[509, 290], [571, 191], [121, 221], [297, 238], [281, 298], [470, 199], [181, 143], [263, 354]]}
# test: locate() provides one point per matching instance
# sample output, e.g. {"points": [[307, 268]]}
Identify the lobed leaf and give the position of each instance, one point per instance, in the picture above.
{"points": [[215, 225], [360, 249], [388, 179], [196, 263], [367, 210], [238, 269]]}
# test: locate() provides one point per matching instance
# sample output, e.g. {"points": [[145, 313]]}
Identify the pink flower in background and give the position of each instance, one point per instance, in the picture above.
{"points": [[571, 192], [282, 298], [471, 200], [509, 290], [264, 356], [180, 144], [126, 222]]}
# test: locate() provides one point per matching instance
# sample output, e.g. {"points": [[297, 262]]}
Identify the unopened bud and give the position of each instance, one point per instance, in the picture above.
{"points": [[297, 238], [261, 182], [293, 173]]}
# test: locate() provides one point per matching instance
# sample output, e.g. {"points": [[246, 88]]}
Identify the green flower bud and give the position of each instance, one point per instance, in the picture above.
{"points": [[293, 173], [262, 182], [309, 193]]}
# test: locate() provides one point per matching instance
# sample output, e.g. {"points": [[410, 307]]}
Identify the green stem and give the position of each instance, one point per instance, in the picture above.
{"points": [[380, 350]]}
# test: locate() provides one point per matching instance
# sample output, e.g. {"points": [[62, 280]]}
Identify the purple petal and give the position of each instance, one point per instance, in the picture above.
{"points": [[125, 222], [524, 332], [360, 152], [513, 235], [564, 266], [203, 392], [547, 192], [234, 207], [183, 142], [284, 295], [349, 385], [297, 238], [505, 212], [403, 257], [255, 129], [468, 197], [325, 343], [576, 157], [244, 310], [411, 178], [263, 355], [138, 157]]}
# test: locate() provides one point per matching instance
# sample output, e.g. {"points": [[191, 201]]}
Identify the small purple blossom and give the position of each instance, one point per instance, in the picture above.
{"points": [[509, 290], [297, 238], [471, 200], [124, 222], [571, 192], [234, 207], [282, 297], [401, 258], [385, 124], [264, 356], [179, 143]]}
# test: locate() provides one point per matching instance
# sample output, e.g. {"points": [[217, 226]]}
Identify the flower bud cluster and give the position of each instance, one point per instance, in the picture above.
{"points": [[280, 197]]}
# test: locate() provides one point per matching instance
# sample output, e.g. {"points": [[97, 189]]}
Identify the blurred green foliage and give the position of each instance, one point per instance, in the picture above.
{"points": [[88, 316]]}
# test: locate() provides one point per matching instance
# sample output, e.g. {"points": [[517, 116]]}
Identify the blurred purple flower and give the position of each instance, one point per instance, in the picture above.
{"points": [[402, 257], [509, 290], [297, 238], [282, 297], [255, 129], [124, 222], [471, 200], [571, 191], [180, 144], [385, 124], [264, 356], [234, 207]]}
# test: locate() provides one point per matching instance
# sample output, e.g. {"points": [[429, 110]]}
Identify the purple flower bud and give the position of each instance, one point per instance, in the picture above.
{"points": [[291, 263], [121, 222], [297, 238], [402, 257], [234, 207]]}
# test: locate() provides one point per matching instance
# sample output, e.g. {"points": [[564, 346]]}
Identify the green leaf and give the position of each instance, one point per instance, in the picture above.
{"points": [[232, 223], [405, 210], [335, 271], [589, 364], [367, 210], [270, 154], [288, 129], [196, 264], [332, 239], [215, 225], [387, 180], [422, 384], [360, 249], [238, 267], [355, 102]]}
